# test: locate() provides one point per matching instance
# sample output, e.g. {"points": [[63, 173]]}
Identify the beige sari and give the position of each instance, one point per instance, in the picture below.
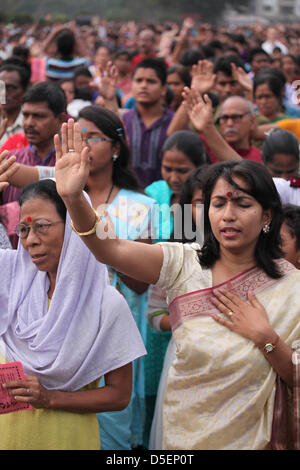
{"points": [[221, 389]]}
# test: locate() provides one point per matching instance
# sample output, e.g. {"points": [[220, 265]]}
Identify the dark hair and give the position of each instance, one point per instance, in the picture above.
{"points": [[123, 52], [274, 81], [65, 44], [24, 73], [261, 187], [257, 51], [49, 92], [223, 64], [82, 71], [191, 57], [45, 189], [22, 52], [158, 65], [189, 143], [183, 73], [280, 141], [193, 182], [110, 124], [291, 217]]}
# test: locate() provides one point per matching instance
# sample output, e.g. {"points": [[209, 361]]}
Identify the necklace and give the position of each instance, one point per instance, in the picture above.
{"points": [[109, 194]]}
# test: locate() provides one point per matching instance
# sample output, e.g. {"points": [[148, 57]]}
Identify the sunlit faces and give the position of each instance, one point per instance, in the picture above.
{"points": [[175, 169], [44, 249], [226, 86], [100, 153], [13, 89], [267, 103], [291, 253], [39, 122], [176, 84], [147, 88], [283, 166], [236, 218], [260, 61], [236, 122]]}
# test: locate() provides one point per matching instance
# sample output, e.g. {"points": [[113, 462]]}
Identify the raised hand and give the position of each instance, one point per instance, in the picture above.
{"points": [[199, 109], [108, 85], [203, 78], [72, 165], [7, 169], [244, 80]]}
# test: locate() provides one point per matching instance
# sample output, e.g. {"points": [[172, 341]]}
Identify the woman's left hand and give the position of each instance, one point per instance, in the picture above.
{"points": [[247, 319], [30, 391]]}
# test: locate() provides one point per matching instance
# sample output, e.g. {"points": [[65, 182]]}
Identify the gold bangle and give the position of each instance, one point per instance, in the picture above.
{"points": [[93, 229]]}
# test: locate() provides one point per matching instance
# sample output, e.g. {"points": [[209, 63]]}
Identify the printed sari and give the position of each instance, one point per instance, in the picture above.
{"points": [[221, 389]]}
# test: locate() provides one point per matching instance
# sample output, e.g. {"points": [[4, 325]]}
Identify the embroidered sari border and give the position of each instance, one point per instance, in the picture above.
{"points": [[197, 303]]}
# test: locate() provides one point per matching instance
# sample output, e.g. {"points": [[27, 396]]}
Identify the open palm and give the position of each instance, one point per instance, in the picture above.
{"points": [[72, 166]]}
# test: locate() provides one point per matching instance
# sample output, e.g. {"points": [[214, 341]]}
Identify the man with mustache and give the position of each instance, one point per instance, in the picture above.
{"points": [[237, 121], [44, 111]]}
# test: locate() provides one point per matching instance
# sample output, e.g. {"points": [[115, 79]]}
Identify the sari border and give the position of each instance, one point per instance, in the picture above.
{"points": [[197, 303]]}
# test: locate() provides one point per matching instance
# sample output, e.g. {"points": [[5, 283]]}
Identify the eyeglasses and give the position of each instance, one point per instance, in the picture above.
{"points": [[234, 117], [95, 140], [40, 226]]}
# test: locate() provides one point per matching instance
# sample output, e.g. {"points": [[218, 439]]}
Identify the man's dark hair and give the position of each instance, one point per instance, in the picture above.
{"points": [[291, 214], [66, 44], [50, 92], [256, 51], [24, 73], [158, 65], [223, 64]]}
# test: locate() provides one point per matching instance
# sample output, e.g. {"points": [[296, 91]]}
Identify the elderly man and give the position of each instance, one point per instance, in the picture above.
{"points": [[237, 121], [146, 47]]}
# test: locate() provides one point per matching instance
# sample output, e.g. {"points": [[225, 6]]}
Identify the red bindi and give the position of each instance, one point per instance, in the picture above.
{"points": [[29, 219], [229, 194]]}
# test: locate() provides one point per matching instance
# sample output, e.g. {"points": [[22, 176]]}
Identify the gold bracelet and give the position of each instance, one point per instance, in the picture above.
{"points": [[93, 229]]}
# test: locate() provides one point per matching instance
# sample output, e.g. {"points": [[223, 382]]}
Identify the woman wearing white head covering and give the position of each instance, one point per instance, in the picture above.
{"points": [[66, 325]]}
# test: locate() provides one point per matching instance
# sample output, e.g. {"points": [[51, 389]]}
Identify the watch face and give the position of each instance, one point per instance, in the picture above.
{"points": [[269, 347]]}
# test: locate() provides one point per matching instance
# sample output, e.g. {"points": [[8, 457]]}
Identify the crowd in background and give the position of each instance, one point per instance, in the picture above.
{"points": [[173, 99]]}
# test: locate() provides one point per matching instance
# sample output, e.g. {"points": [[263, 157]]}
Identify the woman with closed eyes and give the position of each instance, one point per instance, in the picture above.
{"points": [[233, 306]]}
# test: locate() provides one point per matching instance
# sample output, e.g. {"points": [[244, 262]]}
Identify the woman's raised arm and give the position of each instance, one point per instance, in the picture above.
{"points": [[140, 261]]}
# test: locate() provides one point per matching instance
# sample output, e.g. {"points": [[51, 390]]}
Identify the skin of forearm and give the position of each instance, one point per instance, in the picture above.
{"points": [[103, 399], [280, 358], [180, 121], [122, 255], [24, 175]]}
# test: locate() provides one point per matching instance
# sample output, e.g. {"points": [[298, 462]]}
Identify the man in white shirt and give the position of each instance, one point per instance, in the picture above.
{"points": [[272, 42]]}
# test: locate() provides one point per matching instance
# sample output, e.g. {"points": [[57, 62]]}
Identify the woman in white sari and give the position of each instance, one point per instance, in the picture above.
{"points": [[233, 305]]}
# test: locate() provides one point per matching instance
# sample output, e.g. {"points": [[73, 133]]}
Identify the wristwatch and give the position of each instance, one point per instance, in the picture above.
{"points": [[269, 347]]}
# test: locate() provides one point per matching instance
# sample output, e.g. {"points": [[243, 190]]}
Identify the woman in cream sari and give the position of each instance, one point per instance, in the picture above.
{"points": [[233, 305]]}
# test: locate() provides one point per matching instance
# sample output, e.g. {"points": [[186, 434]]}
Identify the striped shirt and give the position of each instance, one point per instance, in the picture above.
{"points": [[59, 69]]}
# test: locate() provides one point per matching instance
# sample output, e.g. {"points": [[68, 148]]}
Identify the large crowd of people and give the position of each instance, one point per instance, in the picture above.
{"points": [[150, 236]]}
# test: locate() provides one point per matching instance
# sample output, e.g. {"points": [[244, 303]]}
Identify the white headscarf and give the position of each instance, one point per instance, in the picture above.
{"points": [[88, 329]]}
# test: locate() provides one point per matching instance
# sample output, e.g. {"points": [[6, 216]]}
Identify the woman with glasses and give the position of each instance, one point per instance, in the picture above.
{"points": [[233, 305], [112, 185], [268, 92], [60, 317]]}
